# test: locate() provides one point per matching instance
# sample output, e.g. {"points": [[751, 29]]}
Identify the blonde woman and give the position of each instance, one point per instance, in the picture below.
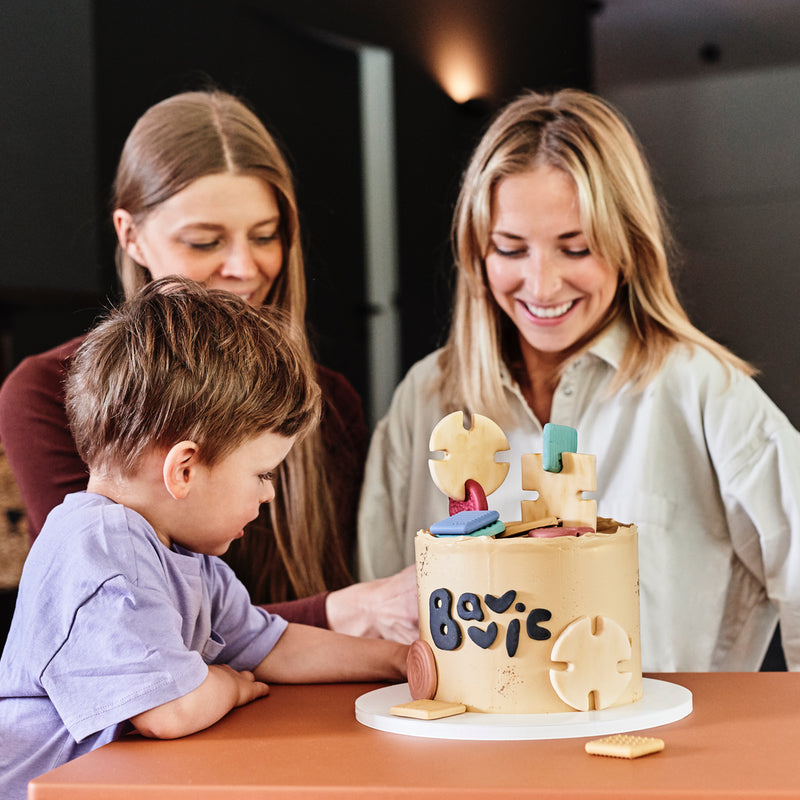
{"points": [[565, 312], [203, 191]]}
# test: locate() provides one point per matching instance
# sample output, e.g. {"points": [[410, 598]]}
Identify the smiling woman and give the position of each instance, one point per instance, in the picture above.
{"points": [[203, 191], [565, 312], [221, 230], [543, 276]]}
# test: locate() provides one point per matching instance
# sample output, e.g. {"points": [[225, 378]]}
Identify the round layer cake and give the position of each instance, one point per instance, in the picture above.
{"points": [[529, 625]]}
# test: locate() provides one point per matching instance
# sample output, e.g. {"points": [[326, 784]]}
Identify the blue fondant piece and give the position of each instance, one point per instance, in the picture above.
{"points": [[557, 439], [463, 523], [490, 530]]}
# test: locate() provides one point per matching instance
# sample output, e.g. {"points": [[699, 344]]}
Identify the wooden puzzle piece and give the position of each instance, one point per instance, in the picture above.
{"points": [[592, 678], [560, 493], [467, 454], [557, 439]]}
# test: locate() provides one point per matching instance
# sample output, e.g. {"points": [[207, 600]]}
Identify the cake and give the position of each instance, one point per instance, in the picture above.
{"points": [[529, 616]]}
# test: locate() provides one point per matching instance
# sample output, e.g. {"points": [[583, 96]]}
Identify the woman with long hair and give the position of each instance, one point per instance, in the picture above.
{"points": [[202, 190], [565, 312]]}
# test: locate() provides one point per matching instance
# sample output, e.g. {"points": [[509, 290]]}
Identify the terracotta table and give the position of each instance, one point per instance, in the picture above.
{"points": [[742, 740]]}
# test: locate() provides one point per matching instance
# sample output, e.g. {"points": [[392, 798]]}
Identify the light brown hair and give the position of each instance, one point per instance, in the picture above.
{"points": [[180, 362], [624, 225], [296, 548], [191, 135]]}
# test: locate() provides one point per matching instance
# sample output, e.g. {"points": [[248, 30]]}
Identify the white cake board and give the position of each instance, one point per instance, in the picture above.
{"points": [[662, 703]]}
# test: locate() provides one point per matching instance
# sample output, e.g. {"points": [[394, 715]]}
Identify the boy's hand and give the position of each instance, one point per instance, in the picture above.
{"points": [[245, 685], [223, 689]]}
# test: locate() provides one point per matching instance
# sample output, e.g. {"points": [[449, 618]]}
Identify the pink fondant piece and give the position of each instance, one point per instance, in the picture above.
{"points": [[551, 533], [475, 499]]}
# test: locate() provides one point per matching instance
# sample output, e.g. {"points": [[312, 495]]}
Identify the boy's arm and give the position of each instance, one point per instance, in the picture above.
{"points": [[305, 654], [223, 689]]}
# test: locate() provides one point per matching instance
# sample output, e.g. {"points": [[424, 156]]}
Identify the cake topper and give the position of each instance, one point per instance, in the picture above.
{"points": [[468, 454]]}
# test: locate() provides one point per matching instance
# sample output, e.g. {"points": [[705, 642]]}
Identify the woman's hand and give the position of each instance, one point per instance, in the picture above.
{"points": [[385, 608]]}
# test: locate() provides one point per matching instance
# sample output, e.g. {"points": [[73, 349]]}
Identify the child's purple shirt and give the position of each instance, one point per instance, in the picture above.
{"points": [[110, 623]]}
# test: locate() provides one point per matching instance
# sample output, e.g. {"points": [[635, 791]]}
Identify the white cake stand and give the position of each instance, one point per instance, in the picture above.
{"points": [[662, 703]]}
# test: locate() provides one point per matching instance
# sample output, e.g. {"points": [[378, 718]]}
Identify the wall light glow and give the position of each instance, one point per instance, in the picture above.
{"points": [[460, 69]]}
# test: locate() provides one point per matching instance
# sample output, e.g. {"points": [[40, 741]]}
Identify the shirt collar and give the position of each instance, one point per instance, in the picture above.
{"points": [[608, 346]]}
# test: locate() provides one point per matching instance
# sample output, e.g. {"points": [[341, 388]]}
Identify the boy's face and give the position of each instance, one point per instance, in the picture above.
{"points": [[225, 497]]}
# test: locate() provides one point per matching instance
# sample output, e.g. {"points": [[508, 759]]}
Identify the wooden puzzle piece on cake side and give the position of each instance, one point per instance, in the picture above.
{"points": [[468, 455], [596, 663], [561, 493]]}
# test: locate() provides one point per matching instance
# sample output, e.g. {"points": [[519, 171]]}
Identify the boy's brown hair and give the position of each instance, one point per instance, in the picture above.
{"points": [[181, 362]]}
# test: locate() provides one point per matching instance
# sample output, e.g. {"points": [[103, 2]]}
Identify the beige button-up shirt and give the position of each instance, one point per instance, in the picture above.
{"points": [[701, 460]]}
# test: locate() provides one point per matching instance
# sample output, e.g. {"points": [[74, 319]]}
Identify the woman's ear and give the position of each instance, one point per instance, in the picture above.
{"points": [[180, 468], [127, 235]]}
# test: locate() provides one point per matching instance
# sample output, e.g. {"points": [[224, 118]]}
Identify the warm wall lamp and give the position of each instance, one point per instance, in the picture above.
{"points": [[461, 68]]}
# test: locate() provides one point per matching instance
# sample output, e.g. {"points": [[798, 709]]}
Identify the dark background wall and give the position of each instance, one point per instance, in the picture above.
{"points": [[75, 80]]}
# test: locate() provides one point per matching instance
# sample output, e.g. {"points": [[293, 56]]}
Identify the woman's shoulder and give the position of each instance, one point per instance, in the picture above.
{"points": [[698, 379], [698, 367], [36, 382], [343, 425], [336, 388], [42, 368]]}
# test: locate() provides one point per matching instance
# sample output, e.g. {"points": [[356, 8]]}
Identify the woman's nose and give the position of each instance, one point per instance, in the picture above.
{"points": [[542, 276], [239, 263]]}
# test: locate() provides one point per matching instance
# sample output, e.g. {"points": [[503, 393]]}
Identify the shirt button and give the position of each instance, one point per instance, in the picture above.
{"points": [[568, 390]]}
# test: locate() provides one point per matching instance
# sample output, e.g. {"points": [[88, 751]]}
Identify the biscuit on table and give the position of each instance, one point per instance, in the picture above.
{"points": [[622, 745], [428, 709]]}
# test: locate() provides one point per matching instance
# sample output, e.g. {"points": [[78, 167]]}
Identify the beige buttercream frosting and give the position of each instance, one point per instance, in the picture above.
{"points": [[548, 585]]}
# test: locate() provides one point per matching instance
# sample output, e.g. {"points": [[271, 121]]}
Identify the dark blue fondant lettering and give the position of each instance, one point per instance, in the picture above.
{"points": [[445, 631], [512, 637], [536, 631], [482, 638], [469, 607], [500, 604]]}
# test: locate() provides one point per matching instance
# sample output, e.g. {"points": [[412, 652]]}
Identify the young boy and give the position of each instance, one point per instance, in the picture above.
{"points": [[182, 403]]}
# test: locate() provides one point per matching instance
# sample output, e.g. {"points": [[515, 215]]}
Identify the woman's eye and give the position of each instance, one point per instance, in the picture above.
{"points": [[266, 476], [203, 246], [265, 240], [510, 252], [582, 253]]}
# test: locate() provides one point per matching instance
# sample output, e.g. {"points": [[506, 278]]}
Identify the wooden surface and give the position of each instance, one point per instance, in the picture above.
{"points": [[742, 740]]}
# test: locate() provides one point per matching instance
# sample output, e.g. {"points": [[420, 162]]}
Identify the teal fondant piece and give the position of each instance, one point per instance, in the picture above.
{"points": [[557, 439], [490, 530]]}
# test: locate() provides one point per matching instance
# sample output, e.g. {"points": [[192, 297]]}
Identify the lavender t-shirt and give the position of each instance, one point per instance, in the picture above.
{"points": [[110, 623]]}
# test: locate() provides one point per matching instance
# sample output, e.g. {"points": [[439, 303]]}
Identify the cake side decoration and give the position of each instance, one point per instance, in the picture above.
{"points": [[528, 616]]}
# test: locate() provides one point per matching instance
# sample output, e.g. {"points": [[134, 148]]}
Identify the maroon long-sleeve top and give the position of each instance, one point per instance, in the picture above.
{"points": [[42, 455]]}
